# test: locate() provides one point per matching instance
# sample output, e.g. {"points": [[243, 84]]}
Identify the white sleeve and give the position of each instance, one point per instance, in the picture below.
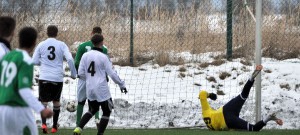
{"points": [[70, 60], [112, 73], [36, 56], [2, 51], [32, 102], [81, 68]]}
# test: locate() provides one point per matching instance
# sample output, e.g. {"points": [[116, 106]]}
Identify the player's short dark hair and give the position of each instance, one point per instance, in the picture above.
{"points": [[27, 37], [52, 31], [96, 39], [97, 30], [7, 26]]}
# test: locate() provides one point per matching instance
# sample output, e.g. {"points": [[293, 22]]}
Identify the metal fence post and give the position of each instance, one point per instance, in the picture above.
{"points": [[131, 33], [229, 29]]}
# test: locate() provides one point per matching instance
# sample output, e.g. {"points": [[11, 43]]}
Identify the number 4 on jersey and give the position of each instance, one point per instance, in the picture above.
{"points": [[91, 68]]}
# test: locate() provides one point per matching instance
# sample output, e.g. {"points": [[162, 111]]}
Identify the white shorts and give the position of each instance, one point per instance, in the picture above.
{"points": [[14, 120], [81, 90]]}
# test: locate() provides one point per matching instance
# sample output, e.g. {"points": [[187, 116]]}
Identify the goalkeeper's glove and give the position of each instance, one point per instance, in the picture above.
{"points": [[212, 96], [124, 90]]}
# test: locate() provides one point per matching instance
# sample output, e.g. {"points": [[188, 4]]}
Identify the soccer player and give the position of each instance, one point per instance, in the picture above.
{"points": [[16, 97], [227, 117], [49, 54], [81, 88], [93, 68], [7, 28]]}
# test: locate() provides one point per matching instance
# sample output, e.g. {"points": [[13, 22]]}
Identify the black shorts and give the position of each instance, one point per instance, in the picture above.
{"points": [[49, 91], [106, 106]]}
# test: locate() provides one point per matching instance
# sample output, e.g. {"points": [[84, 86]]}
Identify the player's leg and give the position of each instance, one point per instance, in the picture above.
{"points": [[8, 123], [273, 117], [81, 98], [93, 108], [240, 124], [246, 90], [56, 94], [30, 127], [106, 107], [44, 94], [235, 105]]}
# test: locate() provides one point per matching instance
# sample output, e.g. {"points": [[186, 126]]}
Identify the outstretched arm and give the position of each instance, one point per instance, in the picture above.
{"points": [[203, 100]]}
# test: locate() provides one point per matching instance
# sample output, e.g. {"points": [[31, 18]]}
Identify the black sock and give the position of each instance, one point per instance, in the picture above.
{"points": [[56, 111], [85, 119], [246, 89], [257, 127], [44, 119], [103, 124]]}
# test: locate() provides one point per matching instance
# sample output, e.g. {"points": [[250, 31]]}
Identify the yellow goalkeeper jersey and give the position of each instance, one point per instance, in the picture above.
{"points": [[214, 119]]}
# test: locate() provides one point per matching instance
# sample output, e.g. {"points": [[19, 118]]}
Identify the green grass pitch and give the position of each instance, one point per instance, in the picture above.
{"points": [[177, 132]]}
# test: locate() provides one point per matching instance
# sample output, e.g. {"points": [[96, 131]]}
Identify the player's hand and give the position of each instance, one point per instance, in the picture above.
{"points": [[259, 67], [124, 90], [212, 96], [46, 113]]}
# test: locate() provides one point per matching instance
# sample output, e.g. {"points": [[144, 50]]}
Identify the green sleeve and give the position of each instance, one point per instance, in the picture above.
{"points": [[78, 56], [25, 76], [104, 49]]}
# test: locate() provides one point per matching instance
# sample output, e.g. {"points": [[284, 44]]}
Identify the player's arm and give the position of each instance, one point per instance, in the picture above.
{"points": [[70, 61], [2, 52], [81, 68], [113, 75], [78, 56], [36, 56], [24, 85], [203, 95]]}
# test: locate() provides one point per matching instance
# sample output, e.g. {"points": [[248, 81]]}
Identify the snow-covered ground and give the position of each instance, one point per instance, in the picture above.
{"points": [[162, 97]]}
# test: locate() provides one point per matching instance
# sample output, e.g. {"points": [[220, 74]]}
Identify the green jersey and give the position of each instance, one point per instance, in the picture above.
{"points": [[85, 47], [16, 72]]}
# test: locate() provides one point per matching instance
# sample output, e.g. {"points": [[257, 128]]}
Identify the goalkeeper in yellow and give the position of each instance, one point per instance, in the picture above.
{"points": [[227, 117]]}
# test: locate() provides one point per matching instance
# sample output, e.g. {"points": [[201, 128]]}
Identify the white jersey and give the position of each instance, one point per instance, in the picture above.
{"points": [[93, 66], [3, 50], [49, 54]]}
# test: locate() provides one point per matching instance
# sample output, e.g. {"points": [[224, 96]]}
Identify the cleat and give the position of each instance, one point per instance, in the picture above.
{"points": [[256, 71], [274, 118], [54, 130], [77, 131], [44, 129], [277, 120]]}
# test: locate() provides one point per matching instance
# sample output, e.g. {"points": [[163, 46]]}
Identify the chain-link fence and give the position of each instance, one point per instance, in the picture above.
{"points": [[168, 32], [162, 26]]}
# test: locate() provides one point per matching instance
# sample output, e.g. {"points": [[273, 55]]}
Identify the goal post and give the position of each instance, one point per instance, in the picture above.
{"points": [[258, 38]]}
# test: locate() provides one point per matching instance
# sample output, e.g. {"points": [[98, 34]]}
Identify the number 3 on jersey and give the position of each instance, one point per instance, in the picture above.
{"points": [[9, 71], [52, 55], [91, 68]]}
